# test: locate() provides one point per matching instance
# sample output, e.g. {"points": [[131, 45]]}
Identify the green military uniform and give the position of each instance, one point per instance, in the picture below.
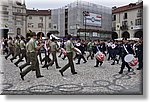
{"points": [[17, 50], [39, 51], [69, 49], [11, 49], [54, 49], [27, 58], [89, 49], [47, 53], [23, 52], [31, 48]]}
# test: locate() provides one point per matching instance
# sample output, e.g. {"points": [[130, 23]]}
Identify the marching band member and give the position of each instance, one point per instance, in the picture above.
{"points": [[27, 56], [109, 49], [61, 46], [39, 42], [89, 49], [11, 48], [47, 52], [23, 51], [69, 49], [99, 47], [114, 52], [32, 48], [140, 55], [80, 46], [53, 49], [17, 49], [125, 49]]}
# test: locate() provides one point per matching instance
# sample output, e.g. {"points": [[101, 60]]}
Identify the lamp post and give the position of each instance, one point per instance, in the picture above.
{"points": [[85, 27], [77, 27], [85, 13]]}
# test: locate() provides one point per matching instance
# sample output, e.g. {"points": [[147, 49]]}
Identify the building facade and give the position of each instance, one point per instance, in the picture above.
{"points": [[13, 16], [127, 21], [83, 19], [39, 21]]}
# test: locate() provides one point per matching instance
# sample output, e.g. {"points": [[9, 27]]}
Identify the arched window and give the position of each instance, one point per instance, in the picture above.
{"points": [[18, 31]]}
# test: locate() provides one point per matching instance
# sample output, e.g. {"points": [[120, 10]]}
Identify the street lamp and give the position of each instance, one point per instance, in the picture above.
{"points": [[85, 13], [77, 27]]}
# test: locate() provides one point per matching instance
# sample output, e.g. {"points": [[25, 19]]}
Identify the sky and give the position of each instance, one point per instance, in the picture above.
{"points": [[51, 4]]}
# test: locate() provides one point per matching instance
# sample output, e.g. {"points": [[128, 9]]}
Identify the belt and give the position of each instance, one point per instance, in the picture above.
{"points": [[32, 51]]}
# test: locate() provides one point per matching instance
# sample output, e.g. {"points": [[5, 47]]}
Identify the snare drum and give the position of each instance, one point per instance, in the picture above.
{"points": [[100, 56], [131, 60], [134, 62]]}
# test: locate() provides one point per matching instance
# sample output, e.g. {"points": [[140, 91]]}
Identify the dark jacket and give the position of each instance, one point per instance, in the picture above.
{"points": [[128, 48]]}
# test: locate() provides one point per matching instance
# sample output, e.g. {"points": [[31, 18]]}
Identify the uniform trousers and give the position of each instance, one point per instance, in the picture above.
{"points": [[70, 63], [34, 65]]}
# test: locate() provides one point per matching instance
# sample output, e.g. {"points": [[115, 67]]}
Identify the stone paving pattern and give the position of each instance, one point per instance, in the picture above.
{"points": [[90, 80]]}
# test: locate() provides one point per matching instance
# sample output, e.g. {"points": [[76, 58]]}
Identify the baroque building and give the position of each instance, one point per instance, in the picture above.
{"points": [[13, 16], [127, 21]]}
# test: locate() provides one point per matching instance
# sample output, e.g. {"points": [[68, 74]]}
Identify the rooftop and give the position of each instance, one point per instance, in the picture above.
{"points": [[131, 6], [38, 12]]}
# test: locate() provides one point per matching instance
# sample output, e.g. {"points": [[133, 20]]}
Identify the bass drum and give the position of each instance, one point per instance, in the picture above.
{"points": [[131, 60], [128, 58]]}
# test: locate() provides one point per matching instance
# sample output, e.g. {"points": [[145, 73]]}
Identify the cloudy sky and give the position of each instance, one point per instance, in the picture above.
{"points": [[49, 4]]}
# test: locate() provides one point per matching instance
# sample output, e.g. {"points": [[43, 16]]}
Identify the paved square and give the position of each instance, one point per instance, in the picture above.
{"points": [[89, 80]]}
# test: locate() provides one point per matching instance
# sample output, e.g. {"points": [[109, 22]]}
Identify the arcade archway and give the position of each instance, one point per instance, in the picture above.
{"points": [[114, 35], [138, 34], [125, 34]]}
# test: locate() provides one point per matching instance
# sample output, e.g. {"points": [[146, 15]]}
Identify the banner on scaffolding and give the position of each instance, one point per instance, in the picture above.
{"points": [[93, 19]]}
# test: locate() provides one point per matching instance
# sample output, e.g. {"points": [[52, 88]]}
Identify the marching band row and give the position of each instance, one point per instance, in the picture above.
{"points": [[129, 52]]}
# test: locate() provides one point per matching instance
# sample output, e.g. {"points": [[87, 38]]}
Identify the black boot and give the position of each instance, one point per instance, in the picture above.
{"points": [[117, 61], [113, 63], [101, 63], [121, 71], [22, 76], [61, 73], [96, 66], [16, 64]]}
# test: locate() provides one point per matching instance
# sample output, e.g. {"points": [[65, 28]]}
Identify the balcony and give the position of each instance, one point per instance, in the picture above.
{"points": [[19, 14], [140, 14], [136, 27], [4, 12], [124, 27]]}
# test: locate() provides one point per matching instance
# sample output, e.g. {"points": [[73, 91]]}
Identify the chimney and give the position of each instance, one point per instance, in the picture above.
{"points": [[139, 1]]}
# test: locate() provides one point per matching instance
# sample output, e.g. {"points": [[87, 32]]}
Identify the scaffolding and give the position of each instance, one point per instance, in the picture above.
{"points": [[76, 17]]}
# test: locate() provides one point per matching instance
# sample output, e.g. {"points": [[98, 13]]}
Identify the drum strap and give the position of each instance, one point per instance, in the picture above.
{"points": [[97, 48], [126, 49]]}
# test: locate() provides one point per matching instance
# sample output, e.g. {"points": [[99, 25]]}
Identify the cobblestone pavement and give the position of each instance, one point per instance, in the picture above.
{"points": [[89, 80]]}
